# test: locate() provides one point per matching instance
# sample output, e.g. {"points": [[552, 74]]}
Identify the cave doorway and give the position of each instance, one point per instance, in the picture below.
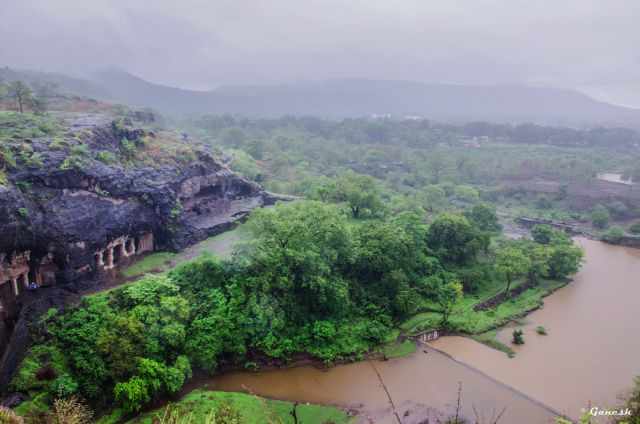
{"points": [[117, 254], [33, 277]]}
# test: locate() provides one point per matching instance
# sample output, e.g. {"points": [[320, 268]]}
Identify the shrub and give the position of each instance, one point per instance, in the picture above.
{"points": [[106, 157], [518, 337], [543, 202], [64, 386], [127, 148], [58, 143], [618, 209], [635, 228], [226, 413], [541, 330], [614, 235], [600, 217], [80, 150], [7, 416], [70, 411]]}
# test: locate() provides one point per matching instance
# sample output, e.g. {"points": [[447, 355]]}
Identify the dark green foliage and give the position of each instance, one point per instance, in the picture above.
{"points": [[484, 217], [511, 262], [635, 228], [632, 401], [565, 259], [309, 281], [359, 192], [106, 157], [453, 239], [475, 276], [518, 337], [600, 217], [543, 233], [127, 149], [613, 235]]}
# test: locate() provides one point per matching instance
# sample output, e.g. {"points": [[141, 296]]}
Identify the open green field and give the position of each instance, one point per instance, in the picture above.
{"points": [[221, 246], [200, 407], [465, 320]]}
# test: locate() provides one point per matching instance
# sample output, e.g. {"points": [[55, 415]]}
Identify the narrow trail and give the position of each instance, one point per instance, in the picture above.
{"points": [[384, 386]]}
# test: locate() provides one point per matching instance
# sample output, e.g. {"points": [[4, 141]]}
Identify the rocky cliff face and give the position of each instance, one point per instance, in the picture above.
{"points": [[98, 191], [71, 204]]}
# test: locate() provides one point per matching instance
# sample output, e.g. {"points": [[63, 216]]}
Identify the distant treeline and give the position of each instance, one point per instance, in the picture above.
{"points": [[421, 132]]}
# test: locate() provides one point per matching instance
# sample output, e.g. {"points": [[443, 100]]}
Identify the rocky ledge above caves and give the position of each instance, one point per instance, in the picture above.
{"points": [[94, 180]]}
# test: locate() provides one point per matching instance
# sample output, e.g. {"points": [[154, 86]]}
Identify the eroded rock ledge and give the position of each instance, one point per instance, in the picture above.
{"points": [[73, 219]]}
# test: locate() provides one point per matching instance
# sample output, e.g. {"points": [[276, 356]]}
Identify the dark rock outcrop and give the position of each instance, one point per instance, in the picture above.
{"points": [[70, 205]]}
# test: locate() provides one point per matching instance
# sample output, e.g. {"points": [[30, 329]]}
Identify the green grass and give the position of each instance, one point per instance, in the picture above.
{"points": [[151, 263], [21, 126], [489, 339], [397, 350], [465, 320], [253, 409]]}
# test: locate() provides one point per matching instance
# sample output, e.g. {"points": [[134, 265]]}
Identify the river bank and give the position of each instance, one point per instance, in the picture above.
{"points": [[581, 354], [416, 387], [587, 322]]}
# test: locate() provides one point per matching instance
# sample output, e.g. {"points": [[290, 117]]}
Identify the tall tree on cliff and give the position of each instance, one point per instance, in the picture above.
{"points": [[21, 93]]}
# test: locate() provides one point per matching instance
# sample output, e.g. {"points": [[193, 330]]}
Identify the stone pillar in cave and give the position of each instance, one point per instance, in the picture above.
{"points": [[132, 246], [100, 259], [124, 253], [109, 263], [16, 289]]}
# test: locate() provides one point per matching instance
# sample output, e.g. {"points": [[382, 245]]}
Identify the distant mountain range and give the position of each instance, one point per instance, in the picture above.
{"points": [[357, 98]]}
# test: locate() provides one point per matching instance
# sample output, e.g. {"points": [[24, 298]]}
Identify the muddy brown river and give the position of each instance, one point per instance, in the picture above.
{"points": [[591, 353], [592, 350]]}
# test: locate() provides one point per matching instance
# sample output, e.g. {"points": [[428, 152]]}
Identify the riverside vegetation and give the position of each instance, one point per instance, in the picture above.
{"points": [[312, 280], [399, 233]]}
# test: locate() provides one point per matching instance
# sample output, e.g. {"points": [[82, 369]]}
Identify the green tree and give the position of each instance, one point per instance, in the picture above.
{"points": [[233, 137], [538, 262], [614, 235], [484, 217], [565, 260], [301, 247], [21, 93], [546, 234], [600, 216], [445, 291], [360, 192], [433, 197], [635, 228], [466, 193], [438, 165], [511, 263], [518, 337], [453, 239]]}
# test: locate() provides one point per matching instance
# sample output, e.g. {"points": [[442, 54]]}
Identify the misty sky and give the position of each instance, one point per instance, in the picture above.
{"points": [[592, 45]]}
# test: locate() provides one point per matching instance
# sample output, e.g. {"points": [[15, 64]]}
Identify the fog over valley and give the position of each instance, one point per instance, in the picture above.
{"points": [[319, 212], [198, 44]]}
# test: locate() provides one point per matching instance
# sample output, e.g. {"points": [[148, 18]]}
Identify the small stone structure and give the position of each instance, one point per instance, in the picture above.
{"points": [[560, 225], [428, 336], [121, 249]]}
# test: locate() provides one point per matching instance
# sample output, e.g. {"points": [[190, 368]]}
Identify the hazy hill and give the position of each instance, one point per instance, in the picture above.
{"points": [[356, 98]]}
